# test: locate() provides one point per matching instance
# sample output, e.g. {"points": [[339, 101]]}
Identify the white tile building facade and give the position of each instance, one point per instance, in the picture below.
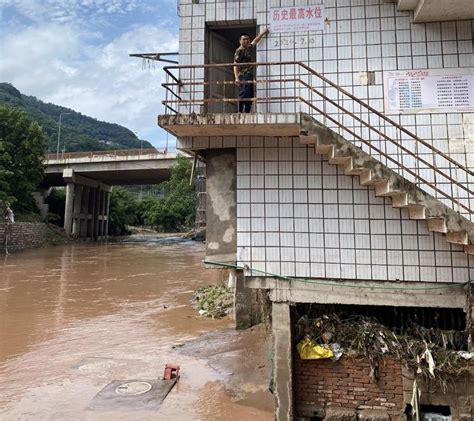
{"points": [[296, 214]]}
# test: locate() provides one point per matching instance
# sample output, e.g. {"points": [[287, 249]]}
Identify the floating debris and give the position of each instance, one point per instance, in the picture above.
{"points": [[432, 354], [214, 301]]}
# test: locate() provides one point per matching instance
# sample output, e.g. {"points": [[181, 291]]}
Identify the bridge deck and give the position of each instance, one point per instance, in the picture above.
{"points": [[127, 167]]}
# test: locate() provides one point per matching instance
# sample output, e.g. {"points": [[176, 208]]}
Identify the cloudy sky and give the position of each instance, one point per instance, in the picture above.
{"points": [[74, 53]]}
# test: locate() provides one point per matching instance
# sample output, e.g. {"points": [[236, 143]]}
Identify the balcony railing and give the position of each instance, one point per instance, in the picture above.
{"points": [[294, 87]]}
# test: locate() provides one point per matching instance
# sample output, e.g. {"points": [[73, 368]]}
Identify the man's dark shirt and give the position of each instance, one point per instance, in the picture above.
{"points": [[244, 55]]}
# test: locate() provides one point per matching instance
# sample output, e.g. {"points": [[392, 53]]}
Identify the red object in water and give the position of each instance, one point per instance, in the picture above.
{"points": [[171, 372]]}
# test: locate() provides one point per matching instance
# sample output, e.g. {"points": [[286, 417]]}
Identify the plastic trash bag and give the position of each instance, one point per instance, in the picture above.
{"points": [[337, 351], [310, 350]]}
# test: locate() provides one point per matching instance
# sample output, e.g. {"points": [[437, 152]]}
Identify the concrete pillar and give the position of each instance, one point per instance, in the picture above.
{"points": [[221, 207], [40, 195], [282, 361], [96, 214], [100, 199], [76, 217], [91, 223], [244, 302], [107, 211], [84, 214], [69, 208]]}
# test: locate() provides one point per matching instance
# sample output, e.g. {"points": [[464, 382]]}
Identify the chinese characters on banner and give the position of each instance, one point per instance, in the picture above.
{"points": [[421, 90], [297, 19]]}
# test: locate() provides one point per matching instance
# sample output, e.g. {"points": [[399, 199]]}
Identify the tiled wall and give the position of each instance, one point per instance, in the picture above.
{"points": [[362, 35], [299, 216]]}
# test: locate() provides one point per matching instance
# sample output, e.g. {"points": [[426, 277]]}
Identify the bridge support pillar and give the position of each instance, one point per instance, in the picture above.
{"points": [[69, 208], [87, 206], [76, 215]]}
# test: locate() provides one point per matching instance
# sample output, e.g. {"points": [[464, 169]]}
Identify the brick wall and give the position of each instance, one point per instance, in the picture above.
{"points": [[322, 384], [24, 235]]}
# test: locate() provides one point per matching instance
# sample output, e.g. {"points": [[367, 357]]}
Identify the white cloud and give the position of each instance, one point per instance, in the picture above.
{"points": [[58, 63], [69, 10]]}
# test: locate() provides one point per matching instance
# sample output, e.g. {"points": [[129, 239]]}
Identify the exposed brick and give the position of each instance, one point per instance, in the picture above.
{"points": [[347, 384], [24, 235]]}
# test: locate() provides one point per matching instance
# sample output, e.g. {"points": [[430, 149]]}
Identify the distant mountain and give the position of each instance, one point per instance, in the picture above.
{"points": [[78, 132]]}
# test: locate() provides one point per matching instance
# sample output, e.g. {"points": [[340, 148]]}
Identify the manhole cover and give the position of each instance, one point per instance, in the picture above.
{"points": [[96, 365], [133, 388]]}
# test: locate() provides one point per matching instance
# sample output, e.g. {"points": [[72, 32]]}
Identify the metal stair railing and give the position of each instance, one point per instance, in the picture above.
{"points": [[295, 87]]}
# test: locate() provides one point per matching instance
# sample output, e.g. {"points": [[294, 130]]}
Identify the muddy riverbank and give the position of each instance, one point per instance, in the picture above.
{"points": [[74, 318]]}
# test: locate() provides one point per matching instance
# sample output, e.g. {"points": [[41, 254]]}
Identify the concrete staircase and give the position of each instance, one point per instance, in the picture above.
{"points": [[387, 183]]}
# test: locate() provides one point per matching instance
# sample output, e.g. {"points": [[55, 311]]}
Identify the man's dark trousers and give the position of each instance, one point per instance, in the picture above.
{"points": [[245, 91]]}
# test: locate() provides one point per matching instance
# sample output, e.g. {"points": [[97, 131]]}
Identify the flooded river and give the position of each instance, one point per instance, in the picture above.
{"points": [[74, 318]]}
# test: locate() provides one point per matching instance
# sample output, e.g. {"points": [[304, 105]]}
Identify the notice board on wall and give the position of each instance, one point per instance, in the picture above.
{"points": [[430, 90], [297, 19]]}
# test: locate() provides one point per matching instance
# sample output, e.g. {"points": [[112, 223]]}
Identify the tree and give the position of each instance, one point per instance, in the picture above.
{"points": [[123, 211], [22, 149], [176, 210]]}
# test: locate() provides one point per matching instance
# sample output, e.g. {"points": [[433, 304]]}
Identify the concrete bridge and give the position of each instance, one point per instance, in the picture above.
{"points": [[89, 177]]}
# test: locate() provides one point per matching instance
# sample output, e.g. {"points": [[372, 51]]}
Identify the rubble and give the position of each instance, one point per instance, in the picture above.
{"points": [[432, 354], [214, 301]]}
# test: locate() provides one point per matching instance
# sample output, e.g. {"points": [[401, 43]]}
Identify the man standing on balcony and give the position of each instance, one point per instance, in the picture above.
{"points": [[244, 76]]}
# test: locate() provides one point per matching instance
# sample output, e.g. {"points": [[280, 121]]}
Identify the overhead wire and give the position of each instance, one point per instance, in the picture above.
{"points": [[315, 281]]}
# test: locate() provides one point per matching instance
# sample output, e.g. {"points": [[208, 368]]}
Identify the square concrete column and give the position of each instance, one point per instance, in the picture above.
{"points": [[69, 208], [282, 361], [84, 211], [102, 214], [221, 205], [76, 216], [92, 222], [95, 224], [107, 212], [245, 302]]}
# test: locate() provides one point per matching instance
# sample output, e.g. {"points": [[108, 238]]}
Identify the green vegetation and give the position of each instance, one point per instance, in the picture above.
{"points": [[78, 132], [123, 211], [56, 201], [22, 148], [173, 212], [176, 210]]}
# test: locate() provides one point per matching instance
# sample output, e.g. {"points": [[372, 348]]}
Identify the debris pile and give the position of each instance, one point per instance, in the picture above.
{"points": [[214, 301], [432, 354]]}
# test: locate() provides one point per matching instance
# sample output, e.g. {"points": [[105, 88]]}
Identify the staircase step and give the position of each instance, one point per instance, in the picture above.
{"points": [[324, 149], [339, 160], [355, 171], [366, 178], [382, 188], [309, 139], [437, 225], [399, 200], [457, 237], [417, 211], [469, 249]]}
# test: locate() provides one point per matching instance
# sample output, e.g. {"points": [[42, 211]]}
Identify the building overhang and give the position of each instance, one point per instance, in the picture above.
{"points": [[437, 10], [257, 124], [327, 291]]}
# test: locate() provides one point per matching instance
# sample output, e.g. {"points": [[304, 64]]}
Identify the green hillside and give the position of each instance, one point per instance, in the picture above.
{"points": [[78, 132]]}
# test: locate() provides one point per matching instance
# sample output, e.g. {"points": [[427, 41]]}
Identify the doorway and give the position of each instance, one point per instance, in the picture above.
{"points": [[221, 43]]}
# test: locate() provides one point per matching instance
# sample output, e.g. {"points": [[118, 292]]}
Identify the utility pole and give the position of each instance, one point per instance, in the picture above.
{"points": [[59, 133]]}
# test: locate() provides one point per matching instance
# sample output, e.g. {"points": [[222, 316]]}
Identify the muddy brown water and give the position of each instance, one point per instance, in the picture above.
{"points": [[74, 318]]}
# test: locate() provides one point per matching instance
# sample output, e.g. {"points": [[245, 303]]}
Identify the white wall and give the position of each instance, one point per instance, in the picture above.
{"points": [[362, 35], [299, 216]]}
